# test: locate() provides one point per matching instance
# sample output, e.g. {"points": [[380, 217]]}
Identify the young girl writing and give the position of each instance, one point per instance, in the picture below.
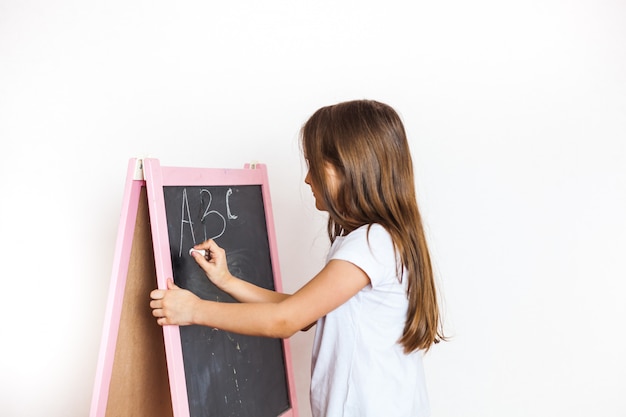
{"points": [[374, 302]]}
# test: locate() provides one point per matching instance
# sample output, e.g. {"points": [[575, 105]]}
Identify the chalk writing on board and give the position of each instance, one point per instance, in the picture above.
{"points": [[228, 213], [186, 219]]}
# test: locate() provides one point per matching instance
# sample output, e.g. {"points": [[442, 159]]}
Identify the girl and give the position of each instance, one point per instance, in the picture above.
{"points": [[374, 302]]}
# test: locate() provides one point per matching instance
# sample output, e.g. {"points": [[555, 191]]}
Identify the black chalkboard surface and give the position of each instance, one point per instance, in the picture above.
{"points": [[227, 374]]}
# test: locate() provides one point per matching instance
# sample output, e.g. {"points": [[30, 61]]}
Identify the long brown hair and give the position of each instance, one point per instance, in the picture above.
{"points": [[366, 143]]}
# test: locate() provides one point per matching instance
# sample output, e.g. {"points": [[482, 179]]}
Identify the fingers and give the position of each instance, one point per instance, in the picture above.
{"points": [[158, 299], [157, 294], [157, 309], [213, 251], [214, 255]]}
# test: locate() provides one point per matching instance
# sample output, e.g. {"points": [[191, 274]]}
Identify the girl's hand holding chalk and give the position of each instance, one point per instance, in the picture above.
{"points": [[213, 262]]}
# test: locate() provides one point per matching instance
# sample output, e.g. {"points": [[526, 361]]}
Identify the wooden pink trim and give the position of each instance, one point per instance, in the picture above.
{"points": [[121, 259], [212, 176], [163, 265]]}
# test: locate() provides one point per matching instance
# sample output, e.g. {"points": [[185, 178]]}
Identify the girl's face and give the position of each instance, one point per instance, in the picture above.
{"points": [[331, 179]]}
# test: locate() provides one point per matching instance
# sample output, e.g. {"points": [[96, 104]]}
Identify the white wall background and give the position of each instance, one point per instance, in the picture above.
{"points": [[516, 111]]}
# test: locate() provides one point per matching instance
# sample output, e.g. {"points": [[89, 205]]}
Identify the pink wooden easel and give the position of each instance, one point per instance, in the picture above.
{"points": [[140, 367]]}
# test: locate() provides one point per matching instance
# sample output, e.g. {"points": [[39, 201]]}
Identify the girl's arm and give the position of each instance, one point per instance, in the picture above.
{"points": [[275, 317], [216, 269]]}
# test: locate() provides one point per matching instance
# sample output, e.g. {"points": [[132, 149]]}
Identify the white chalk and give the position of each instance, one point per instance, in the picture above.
{"points": [[200, 251]]}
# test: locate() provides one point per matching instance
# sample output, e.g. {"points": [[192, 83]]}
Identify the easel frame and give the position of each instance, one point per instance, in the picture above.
{"points": [[143, 208]]}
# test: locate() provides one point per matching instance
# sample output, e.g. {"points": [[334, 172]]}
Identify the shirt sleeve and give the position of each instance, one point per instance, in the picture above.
{"points": [[373, 252]]}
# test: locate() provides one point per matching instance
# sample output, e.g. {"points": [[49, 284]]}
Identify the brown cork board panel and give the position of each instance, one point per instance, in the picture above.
{"points": [[139, 381]]}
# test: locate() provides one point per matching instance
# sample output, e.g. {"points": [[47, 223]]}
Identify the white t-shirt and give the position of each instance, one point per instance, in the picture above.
{"points": [[358, 368]]}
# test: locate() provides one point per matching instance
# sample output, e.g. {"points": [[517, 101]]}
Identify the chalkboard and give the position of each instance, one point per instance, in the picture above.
{"points": [[208, 372], [227, 374]]}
